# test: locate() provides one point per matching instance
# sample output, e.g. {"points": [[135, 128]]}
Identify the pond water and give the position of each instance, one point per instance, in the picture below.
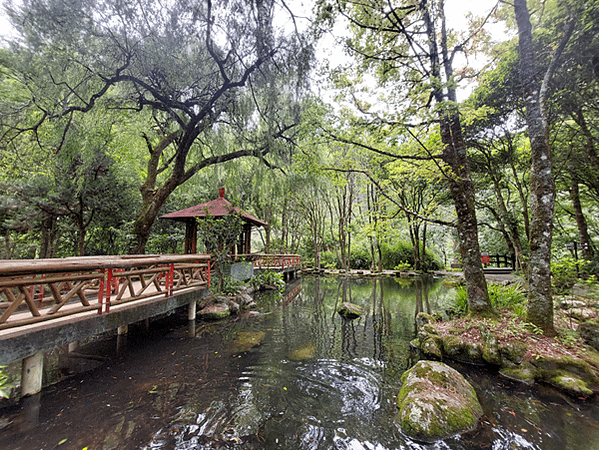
{"points": [[298, 376]]}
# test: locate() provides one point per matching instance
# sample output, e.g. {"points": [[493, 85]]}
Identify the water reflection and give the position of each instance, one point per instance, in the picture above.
{"points": [[296, 377]]}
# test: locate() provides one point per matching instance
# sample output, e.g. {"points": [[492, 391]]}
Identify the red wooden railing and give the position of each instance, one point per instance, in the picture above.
{"points": [[36, 290]]}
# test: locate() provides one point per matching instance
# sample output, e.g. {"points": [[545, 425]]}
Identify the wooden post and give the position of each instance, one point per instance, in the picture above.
{"points": [[191, 236], [31, 374]]}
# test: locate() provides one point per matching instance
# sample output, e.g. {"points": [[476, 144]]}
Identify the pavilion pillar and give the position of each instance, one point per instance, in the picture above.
{"points": [[191, 236]]}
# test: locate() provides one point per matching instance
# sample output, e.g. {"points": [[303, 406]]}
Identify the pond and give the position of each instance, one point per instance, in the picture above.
{"points": [[297, 376]]}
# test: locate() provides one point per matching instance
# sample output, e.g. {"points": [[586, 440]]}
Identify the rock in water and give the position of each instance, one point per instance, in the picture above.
{"points": [[436, 402], [215, 312], [349, 310], [247, 340]]}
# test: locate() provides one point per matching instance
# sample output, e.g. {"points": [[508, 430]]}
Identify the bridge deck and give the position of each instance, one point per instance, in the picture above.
{"points": [[47, 303]]}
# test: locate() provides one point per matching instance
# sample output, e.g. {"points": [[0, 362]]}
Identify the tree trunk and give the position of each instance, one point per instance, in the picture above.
{"points": [[462, 193], [7, 243], [48, 237], [542, 198], [583, 230]]}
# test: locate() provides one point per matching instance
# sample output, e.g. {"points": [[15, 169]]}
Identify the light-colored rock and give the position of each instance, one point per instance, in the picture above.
{"points": [[215, 311], [349, 310], [436, 402]]}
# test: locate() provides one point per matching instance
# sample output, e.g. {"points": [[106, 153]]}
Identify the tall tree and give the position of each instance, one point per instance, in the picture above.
{"points": [[412, 50], [542, 198], [185, 64]]}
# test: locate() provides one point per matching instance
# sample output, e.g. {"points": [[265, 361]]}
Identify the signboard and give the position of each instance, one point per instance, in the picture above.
{"points": [[485, 258], [571, 246]]}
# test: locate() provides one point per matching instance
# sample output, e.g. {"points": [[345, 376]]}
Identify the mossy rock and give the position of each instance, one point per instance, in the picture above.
{"points": [[432, 347], [591, 356], [303, 353], [430, 329], [513, 351], [246, 340], [457, 349], [589, 331], [524, 373], [491, 354], [216, 311], [349, 310], [570, 384], [567, 373], [456, 331], [436, 402], [424, 319]]}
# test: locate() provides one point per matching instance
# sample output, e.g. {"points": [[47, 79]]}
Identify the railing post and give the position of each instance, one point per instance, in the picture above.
{"points": [[108, 289], [209, 270], [40, 301], [170, 280], [101, 291]]}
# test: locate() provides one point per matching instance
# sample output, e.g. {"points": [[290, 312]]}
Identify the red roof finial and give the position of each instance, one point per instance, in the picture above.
{"points": [[221, 192]]}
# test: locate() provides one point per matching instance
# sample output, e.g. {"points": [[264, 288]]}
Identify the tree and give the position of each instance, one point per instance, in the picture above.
{"points": [[408, 44], [542, 199], [219, 235], [184, 65]]}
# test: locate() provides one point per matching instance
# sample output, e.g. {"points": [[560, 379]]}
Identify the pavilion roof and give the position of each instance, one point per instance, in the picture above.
{"points": [[215, 208]]}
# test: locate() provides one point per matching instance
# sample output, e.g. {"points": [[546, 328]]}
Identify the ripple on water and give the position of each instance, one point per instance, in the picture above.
{"points": [[319, 399]]}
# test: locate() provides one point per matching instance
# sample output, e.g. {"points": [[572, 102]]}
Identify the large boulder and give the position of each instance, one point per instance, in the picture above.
{"points": [[436, 402], [570, 374]]}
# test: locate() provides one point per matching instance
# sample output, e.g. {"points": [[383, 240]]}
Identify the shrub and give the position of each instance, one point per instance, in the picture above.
{"points": [[229, 286], [402, 252], [328, 260], [565, 272], [360, 258], [269, 278]]}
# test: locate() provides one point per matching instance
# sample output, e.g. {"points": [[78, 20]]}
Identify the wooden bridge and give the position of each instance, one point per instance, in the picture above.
{"points": [[52, 302]]}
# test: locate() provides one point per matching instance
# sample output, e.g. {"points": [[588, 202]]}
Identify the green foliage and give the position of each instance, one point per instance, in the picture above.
{"points": [[269, 278], [460, 303], [566, 271], [329, 260], [219, 234], [360, 258], [502, 297], [531, 327], [506, 296], [4, 384], [404, 265], [226, 286], [401, 252]]}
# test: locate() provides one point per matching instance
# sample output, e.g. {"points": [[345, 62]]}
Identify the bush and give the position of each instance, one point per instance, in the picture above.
{"points": [[565, 272], [402, 252], [360, 258], [229, 286], [269, 278], [328, 260]]}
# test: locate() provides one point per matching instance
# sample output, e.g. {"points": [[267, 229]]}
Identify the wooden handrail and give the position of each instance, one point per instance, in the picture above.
{"points": [[14, 267], [24, 283]]}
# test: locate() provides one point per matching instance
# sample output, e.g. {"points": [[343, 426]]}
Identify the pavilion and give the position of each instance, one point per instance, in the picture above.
{"points": [[214, 208]]}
